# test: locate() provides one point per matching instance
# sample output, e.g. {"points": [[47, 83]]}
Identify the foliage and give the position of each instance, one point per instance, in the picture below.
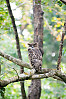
{"points": [[52, 90], [54, 14]]}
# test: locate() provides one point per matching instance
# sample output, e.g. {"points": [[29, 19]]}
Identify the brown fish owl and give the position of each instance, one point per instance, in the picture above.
{"points": [[35, 56]]}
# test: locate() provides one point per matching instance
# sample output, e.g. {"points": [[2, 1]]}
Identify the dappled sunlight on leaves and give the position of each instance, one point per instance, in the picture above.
{"points": [[58, 38], [54, 14]]}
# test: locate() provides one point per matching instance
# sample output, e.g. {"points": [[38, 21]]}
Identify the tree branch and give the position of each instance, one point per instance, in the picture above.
{"points": [[61, 76], [50, 28], [64, 1], [14, 27], [60, 48], [16, 61], [60, 52], [20, 5], [22, 28], [17, 46], [25, 76], [23, 64]]}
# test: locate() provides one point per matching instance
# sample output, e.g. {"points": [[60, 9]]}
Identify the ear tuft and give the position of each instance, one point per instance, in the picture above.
{"points": [[29, 44], [36, 43]]}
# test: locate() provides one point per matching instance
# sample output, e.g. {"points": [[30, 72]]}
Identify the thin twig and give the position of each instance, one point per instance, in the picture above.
{"points": [[20, 5], [60, 48], [16, 72], [60, 52]]}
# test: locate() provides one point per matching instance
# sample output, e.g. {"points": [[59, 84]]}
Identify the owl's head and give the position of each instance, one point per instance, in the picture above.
{"points": [[33, 45]]}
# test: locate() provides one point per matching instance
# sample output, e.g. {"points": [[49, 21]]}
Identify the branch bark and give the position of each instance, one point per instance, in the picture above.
{"points": [[16, 61], [26, 65], [38, 23], [17, 45], [25, 76], [60, 52], [34, 91], [60, 48], [64, 1]]}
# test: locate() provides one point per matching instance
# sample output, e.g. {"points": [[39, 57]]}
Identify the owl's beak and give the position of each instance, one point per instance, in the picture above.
{"points": [[32, 46]]}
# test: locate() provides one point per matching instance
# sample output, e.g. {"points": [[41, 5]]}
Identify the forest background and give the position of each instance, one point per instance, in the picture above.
{"points": [[54, 17]]}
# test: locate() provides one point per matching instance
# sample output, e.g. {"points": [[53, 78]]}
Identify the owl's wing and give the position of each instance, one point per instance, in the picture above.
{"points": [[37, 64], [37, 54], [35, 58]]}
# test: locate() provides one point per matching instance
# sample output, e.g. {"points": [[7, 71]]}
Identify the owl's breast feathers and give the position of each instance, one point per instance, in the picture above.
{"points": [[35, 57], [35, 53]]}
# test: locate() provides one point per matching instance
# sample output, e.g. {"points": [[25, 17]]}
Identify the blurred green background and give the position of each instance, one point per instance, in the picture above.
{"points": [[54, 17]]}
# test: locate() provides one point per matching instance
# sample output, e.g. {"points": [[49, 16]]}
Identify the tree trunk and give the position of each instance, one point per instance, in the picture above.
{"points": [[34, 91], [17, 46], [2, 90]]}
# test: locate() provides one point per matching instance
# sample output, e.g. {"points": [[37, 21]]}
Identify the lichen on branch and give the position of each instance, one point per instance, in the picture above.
{"points": [[27, 76]]}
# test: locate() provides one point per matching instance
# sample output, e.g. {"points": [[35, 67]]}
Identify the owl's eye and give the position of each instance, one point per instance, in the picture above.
{"points": [[32, 46]]}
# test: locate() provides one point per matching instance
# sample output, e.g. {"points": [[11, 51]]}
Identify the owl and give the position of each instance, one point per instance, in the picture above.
{"points": [[35, 56]]}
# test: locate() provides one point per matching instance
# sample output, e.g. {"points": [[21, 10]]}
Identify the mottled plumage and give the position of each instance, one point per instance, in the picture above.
{"points": [[35, 56]]}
